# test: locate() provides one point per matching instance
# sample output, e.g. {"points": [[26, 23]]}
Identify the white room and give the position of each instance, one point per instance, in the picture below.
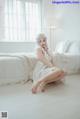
{"points": [[21, 24]]}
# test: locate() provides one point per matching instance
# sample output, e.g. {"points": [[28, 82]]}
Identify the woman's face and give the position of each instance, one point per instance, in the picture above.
{"points": [[43, 42]]}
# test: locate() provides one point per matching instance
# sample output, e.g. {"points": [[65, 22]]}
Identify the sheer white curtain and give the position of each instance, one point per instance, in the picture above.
{"points": [[1, 19], [22, 20]]}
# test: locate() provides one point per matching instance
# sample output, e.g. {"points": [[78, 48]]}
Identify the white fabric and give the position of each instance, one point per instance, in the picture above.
{"points": [[63, 46], [67, 56], [41, 70], [2, 20], [74, 48], [16, 67], [68, 62], [20, 66]]}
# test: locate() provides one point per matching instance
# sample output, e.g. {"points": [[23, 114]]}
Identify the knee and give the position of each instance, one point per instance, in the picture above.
{"points": [[42, 81], [59, 71]]}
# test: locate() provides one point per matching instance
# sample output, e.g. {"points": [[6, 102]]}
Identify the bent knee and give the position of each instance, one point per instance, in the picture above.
{"points": [[58, 71]]}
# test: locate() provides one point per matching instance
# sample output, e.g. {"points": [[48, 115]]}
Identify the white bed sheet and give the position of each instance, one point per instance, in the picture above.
{"points": [[16, 67]]}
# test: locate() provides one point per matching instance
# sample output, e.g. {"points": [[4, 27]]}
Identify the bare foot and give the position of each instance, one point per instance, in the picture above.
{"points": [[35, 86], [41, 87], [33, 90]]}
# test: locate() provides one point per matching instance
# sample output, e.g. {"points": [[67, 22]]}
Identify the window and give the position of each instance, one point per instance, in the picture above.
{"points": [[22, 20]]}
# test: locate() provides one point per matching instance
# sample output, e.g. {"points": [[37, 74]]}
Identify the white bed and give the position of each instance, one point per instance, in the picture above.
{"points": [[19, 67], [16, 67]]}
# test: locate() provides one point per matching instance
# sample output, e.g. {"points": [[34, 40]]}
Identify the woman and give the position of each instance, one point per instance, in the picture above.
{"points": [[45, 71]]}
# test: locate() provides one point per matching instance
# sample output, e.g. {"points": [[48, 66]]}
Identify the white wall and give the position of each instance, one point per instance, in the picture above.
{"points": [[65, 17]]}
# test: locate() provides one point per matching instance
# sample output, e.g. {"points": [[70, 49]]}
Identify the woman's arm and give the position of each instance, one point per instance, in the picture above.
{"points": [[52, 56], [42, 58], [49, 52]]}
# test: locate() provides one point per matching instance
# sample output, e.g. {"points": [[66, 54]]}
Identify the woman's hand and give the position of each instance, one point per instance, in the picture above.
{"points": [[46, 48], [40, 54], [42, 58]]}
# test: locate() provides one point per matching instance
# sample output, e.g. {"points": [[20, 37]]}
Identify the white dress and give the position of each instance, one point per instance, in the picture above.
{"points": [[41, 69]]}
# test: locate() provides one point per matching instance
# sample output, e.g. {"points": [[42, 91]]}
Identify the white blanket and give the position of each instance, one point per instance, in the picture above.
{"points": [[68, 62], [16, 67]]}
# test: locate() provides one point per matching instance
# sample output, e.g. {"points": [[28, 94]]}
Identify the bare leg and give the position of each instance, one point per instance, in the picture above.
{"points": [[58, 78], [49, 78]]}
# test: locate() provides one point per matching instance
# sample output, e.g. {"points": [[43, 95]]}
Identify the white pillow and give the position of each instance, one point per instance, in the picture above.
{"points": [[63, 46], [69, 63], [74, 48]]}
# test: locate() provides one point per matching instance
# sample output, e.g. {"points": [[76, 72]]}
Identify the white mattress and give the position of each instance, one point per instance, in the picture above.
{"points": [[12, 68], [16, 67]]}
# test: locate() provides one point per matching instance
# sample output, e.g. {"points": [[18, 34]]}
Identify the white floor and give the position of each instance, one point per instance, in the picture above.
{"points": [[61, 101]]}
